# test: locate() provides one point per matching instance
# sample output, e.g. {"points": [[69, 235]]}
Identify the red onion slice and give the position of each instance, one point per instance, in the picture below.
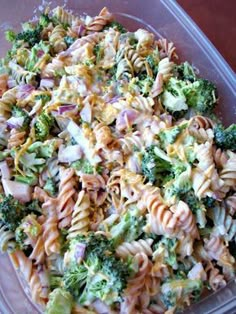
{"points": [[80, 251], [126, 118], [100, 307], [70, 153], [5, 170], [86, 113], [15, 123], [65, 108], [47, 83], [24, 91], [18, 190]]}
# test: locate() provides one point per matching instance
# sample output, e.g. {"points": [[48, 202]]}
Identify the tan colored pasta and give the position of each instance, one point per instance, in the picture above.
{"points": [[6, 101], [167, 49], [157, 86], [218, 251], [80, 216], [135, 247], [51, 234], [135, 59], [201, 122], [130, 142], [205, 177], [202, 135], [38, 253], [228, 173], [184, 219], [165, 68], [216, 280], [64, 16], [103, 135], [136, 284], [160, 218], [24, 264], [220, 157], [100, 21], [143, 104], [17, 138], [3, 83], [65, 197], [57, 38], [52, 68]]}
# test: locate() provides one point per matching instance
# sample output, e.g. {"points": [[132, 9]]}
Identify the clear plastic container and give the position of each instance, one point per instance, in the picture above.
{"points": [[164, 18]]}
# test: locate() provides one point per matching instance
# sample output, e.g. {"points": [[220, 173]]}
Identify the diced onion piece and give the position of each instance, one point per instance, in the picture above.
{"points": [[15, 123], [70, 153], [20, 191], [86, 113], [5, 170]]}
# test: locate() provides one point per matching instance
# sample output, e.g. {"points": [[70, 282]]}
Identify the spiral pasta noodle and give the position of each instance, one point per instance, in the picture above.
{"points": [[64, 17], [165, 67], [6, 101], [100, 21], [135, 247], [17, 138], [30, 274], [57, 38], [65, 200], [231, 204], [80, 216], [3, 83]]}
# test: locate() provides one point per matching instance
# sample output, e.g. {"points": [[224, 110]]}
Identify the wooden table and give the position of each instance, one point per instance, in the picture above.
{"points": [[217, 20]]}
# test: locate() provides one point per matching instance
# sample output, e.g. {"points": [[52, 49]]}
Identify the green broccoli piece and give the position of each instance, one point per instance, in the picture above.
{"points": [[175, 290], [60, 302], [209, 202], [83, 166], [44, 97], [30, 36], [145, 84], [10, 35], [3, 155], [98, 50], [35, 55], [55, 281], [185, 72], [50, 187], [173, 97], [18, 112], [43, 149], [74, 278], [69, 40], [11, 212], [100, 273], [21, 237], [117, 26], [169, 246], [169, 136], [44, 20], [34, 207], [225, 138], [30, 179], [154, 165], [128, 229], [43, 124], [153, 61], [201, 95]]}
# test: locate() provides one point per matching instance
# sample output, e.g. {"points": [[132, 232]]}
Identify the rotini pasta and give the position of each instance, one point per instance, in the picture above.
{"points": [[117, 183]]}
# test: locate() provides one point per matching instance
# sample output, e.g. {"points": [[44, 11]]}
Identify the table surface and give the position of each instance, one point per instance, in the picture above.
{"points": [[217, 19]]}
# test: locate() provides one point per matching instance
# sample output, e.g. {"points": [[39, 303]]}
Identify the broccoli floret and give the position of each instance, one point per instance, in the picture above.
{"points": [[225, 138], [45, 149], [36, 53], [100, 273], [10, 36], [69, 40], [173, 97], [153, 165], [21, 237], [30, 36], [176, 290], [18, 112], [30, 179], [44, 97], [3, 155], [145, 84], [50, 187], [75, 278], [60, 302], [43, 124], [201, 96], [55, 281], [128, 229], [169, 246], [185, 72], [98, 50], [169, 136], [153, 61], [117, 26], [83, 166], [11, 212], [44, 20], [209, 202], [29, 226]]}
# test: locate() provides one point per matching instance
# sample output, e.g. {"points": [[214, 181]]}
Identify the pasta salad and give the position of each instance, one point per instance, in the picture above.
{"points": [[117, 190]]}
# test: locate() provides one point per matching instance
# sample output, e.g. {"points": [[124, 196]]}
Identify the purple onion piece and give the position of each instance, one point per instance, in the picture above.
{"points": [[81, 30], [126, 115], [15, 123], [113, 99], [24, 91], [65, 108], [80, 251]]}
